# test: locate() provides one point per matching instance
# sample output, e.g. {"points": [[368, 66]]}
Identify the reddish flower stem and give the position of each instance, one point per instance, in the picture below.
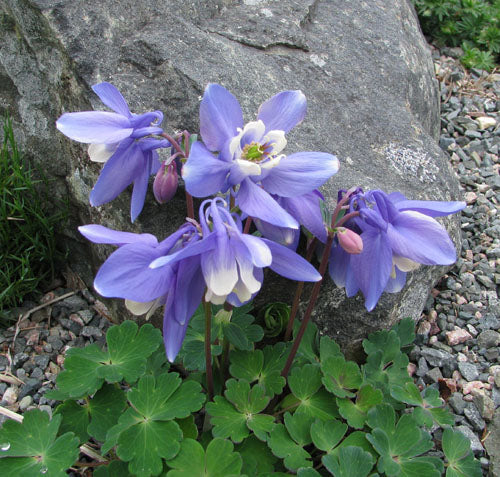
{"points": [[346, 217], [298, 292], [310, 307], [248, 224], [174, 143]]}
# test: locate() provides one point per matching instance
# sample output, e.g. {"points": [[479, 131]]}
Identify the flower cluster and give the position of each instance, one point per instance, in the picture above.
{"points": [[371, 248]]}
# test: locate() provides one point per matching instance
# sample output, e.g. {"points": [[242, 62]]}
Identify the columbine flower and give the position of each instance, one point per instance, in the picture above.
{"points": [[118, 139], [398, 235], [250, 156], [214, 256]]}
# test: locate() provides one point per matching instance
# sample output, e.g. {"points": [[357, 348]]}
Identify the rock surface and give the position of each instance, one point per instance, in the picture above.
{"points": [[364, 67]]}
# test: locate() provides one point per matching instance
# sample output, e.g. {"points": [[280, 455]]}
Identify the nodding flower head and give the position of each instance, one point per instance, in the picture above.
{"points": [[398, 236]]}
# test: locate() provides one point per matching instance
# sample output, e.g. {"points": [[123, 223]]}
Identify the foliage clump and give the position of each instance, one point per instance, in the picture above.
{"points": [[28, 251], [333, 417], [474, 25]]}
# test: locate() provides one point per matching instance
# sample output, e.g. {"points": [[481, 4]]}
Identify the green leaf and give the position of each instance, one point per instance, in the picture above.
{"points": [[328, 348], [308, 347], [355, 413], [284, 447], [430, 408], [299, 427], [116, 468], [105, 408], [400, 444], [145, 433], [145, 444], [217, 461], [188, 427], [461, 462], [326, 435], [305, 381], [341, 376], [192, 353], [386, 341], [240, 331], [308, 472], [311, 398], [257, 457], [233, 416], [33, 448], [227, 420], [405, 329], [80, 378], [75, 418], [128, 349], [157, 363], [349, 462], [263, 366]]}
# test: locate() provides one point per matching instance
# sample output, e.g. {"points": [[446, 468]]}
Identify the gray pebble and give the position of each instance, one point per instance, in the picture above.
{"points": [[468, 371], [25, 402], [475, 443], [457, 402], [488, 339], [474, 417]]}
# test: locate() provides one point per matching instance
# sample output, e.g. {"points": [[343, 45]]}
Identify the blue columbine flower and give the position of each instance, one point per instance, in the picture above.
{"points": [[398, 235], [119, 140], [250, 156], [214, 256]]}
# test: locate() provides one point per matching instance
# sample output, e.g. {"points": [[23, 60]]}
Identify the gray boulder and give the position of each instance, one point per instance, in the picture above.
{"points": [[364, 67]]}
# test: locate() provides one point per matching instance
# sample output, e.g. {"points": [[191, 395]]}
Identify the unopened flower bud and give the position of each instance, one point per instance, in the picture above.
{"points": [[350, 241], [165, 184]]}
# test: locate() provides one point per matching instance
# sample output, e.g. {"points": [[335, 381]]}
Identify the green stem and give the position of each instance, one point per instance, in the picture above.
{"points": [[208, 349]]}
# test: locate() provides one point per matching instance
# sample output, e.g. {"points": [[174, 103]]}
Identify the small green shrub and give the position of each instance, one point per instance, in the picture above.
{"points": [[472, 24], [27, 233]]}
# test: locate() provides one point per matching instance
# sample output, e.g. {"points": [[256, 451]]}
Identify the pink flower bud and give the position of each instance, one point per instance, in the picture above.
{"points": [[165, 184], [350, 241]]}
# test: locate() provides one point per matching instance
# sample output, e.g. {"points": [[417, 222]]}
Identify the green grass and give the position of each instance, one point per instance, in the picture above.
{"points": [[28, 252], [474, 25]]}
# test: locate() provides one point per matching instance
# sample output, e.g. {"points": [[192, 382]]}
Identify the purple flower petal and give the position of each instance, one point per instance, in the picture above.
{"points": [[432, 208], [306, 209], [220, 116], [256, 202], [99, 234], [396, 284], [300, 173], [233, 299], [283, 111], [284, 236], [261, 255], [112, 98], [420, 238], [203, 174], [197, 248], [338, 264], [219, 267], [126, 274], [173, 332], [121, 169], [188, 289], [95, 127], [139, 191], [290, 265], [372, 267]]}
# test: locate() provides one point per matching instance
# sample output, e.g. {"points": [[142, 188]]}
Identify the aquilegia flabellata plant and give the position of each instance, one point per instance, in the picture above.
{"points": [[370, 248]]}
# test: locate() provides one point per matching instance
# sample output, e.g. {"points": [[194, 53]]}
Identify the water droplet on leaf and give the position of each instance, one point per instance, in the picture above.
{"points": [[43, 470], [5, 446]]}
